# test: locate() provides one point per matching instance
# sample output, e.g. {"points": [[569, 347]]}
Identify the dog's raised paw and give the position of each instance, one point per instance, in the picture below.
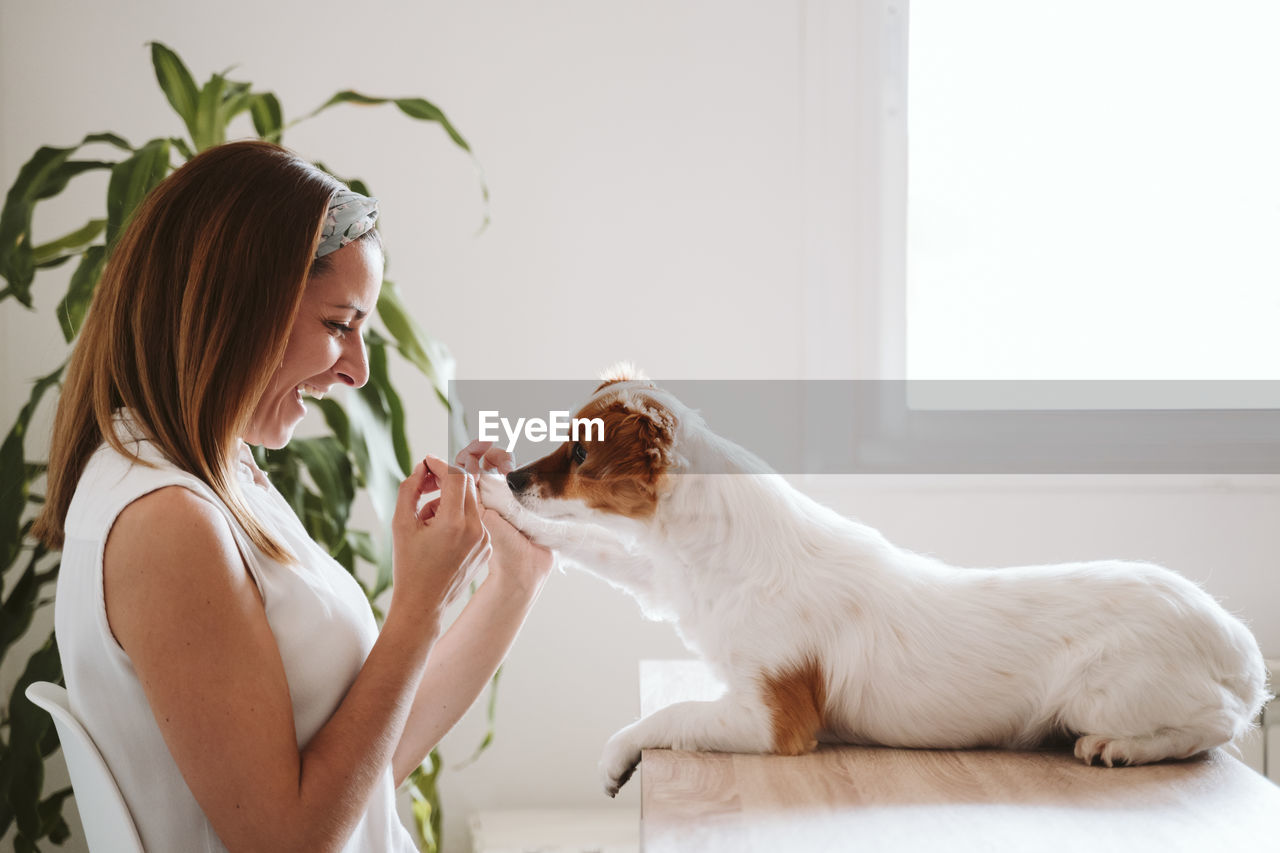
{"points": [[496, 495]]}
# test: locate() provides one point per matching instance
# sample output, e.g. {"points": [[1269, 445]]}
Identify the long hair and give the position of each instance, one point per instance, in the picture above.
{"points": [[190, 321]]}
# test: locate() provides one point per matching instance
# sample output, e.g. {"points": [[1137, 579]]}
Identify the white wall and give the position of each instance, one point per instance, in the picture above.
{"points": [[645, 162]]}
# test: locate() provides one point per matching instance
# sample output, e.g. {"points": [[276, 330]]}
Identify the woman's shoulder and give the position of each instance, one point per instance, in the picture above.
{"points": [[170, 556], [171, 526], [168, 512]]}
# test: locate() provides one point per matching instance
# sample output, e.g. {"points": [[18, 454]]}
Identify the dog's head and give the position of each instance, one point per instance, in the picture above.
{"points": [[619, 461]]}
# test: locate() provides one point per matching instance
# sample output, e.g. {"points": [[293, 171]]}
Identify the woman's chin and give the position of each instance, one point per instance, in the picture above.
{"points": [[277, 443], [273, 437]]}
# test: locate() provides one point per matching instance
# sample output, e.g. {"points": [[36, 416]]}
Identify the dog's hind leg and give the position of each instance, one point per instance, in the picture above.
{"points": [[1144, 749], [732, 723], [1122, 736]]}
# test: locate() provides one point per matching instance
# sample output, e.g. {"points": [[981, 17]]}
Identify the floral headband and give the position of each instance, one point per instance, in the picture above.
{"points": [[349, 216]]}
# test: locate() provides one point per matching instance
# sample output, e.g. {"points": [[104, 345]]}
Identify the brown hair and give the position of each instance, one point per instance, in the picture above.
{"points": [[190, 320]]}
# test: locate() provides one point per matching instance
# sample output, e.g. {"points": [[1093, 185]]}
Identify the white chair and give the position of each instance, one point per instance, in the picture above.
{"points": [[108, 826]]}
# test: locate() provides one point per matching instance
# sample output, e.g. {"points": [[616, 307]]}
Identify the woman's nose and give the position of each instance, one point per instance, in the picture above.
{"points": [[353, 366]]}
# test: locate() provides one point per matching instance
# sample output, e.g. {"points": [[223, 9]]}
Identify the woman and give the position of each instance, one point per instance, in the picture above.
{"points": [[228, 669]]}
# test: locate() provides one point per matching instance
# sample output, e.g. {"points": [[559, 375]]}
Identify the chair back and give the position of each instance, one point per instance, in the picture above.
{"points": [[108, 826]]}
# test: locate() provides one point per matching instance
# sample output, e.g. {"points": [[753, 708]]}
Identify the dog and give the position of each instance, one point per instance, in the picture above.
{"points": [[822, 630]]}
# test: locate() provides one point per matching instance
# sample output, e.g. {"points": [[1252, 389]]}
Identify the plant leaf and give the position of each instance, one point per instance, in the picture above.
{"points": [[284, 469], [110, 139], [45, 175], [427, 354], [19, 606], [183, 148], [321, 526], [335, 417], [209, 130], [380, 378], [131, 180], [69, 245], [327, 462], [84, 281], [375, 552], [268, 119], [419, 108], [14, 483], [27, 728], [373, 449], [423, 352], [416, 108], [177, 84], [236, 100], [424, 110], [423, 790], [52, 823]]}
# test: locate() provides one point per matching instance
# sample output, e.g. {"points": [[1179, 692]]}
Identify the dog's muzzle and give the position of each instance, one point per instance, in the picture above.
{"points": [[518, 481]]}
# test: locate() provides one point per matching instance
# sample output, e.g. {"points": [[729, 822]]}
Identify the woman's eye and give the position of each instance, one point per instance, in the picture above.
{"points": [[340, 329], [579, 453]]}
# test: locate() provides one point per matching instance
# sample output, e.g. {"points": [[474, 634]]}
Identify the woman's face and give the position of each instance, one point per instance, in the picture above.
{"points": [[326, 343]]}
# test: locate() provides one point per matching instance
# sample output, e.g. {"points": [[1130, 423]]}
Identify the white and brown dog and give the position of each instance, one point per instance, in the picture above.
{"points": [[823, 630]]}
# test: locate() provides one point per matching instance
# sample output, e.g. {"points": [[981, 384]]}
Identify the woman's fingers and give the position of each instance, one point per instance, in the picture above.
{"points": [[428, 511], [481, 456], [411, 488], [469, 457], [497, 459], [471, 503], [453, 486]]}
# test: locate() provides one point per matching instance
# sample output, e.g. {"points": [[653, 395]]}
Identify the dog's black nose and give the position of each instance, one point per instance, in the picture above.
{"points": [[517, 480]]}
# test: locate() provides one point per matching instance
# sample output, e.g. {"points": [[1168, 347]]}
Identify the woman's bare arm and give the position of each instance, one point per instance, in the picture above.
{"points": [[473, 648]]}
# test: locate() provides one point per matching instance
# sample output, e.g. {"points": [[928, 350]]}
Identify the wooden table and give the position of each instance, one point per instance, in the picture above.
{"points": [[878, 799]]}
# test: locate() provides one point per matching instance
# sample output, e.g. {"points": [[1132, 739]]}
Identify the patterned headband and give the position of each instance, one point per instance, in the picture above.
{"points": [[349, 216]]}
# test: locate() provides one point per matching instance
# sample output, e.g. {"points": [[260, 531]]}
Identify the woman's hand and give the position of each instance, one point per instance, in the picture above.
{"points": [[516, 560], [481, 456], [438, 549]]}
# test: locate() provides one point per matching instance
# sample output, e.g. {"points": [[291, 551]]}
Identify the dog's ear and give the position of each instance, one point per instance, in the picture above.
{"points": [[656, 433], [624, 474], [620, 371], [640, 439]]}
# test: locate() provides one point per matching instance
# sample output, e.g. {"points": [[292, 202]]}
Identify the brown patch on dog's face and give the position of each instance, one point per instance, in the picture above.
{"points": [[796, 698], [622, 474]]}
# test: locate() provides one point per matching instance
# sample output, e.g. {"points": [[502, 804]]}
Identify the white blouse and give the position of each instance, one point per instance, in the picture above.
{"points": [[317, 612]]}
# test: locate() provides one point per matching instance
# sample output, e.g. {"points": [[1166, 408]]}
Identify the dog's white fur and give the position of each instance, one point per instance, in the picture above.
{"points": [[1134, 662]]}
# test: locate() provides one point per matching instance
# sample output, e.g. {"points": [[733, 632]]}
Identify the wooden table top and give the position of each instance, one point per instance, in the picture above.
{"points": [[880, 799]]}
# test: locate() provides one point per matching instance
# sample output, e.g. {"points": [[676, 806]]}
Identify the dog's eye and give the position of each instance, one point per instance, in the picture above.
{"points": [[579, 453]]}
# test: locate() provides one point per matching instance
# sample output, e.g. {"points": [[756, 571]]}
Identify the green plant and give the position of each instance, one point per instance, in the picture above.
{"points": [[366, 446]]}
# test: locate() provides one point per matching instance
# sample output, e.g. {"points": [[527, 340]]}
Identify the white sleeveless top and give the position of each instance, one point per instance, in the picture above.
{"points": [[317, 612]]}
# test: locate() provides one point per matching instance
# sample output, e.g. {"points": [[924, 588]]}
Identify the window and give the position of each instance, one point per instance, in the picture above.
{"points": [[1093, 190], [1084, 190]]}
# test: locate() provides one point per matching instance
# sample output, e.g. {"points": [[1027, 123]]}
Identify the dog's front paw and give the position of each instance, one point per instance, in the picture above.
{"points": [[619, 761], [496, 495]]}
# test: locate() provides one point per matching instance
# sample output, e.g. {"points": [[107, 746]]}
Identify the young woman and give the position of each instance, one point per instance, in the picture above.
{"points": [[227, 668]]}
